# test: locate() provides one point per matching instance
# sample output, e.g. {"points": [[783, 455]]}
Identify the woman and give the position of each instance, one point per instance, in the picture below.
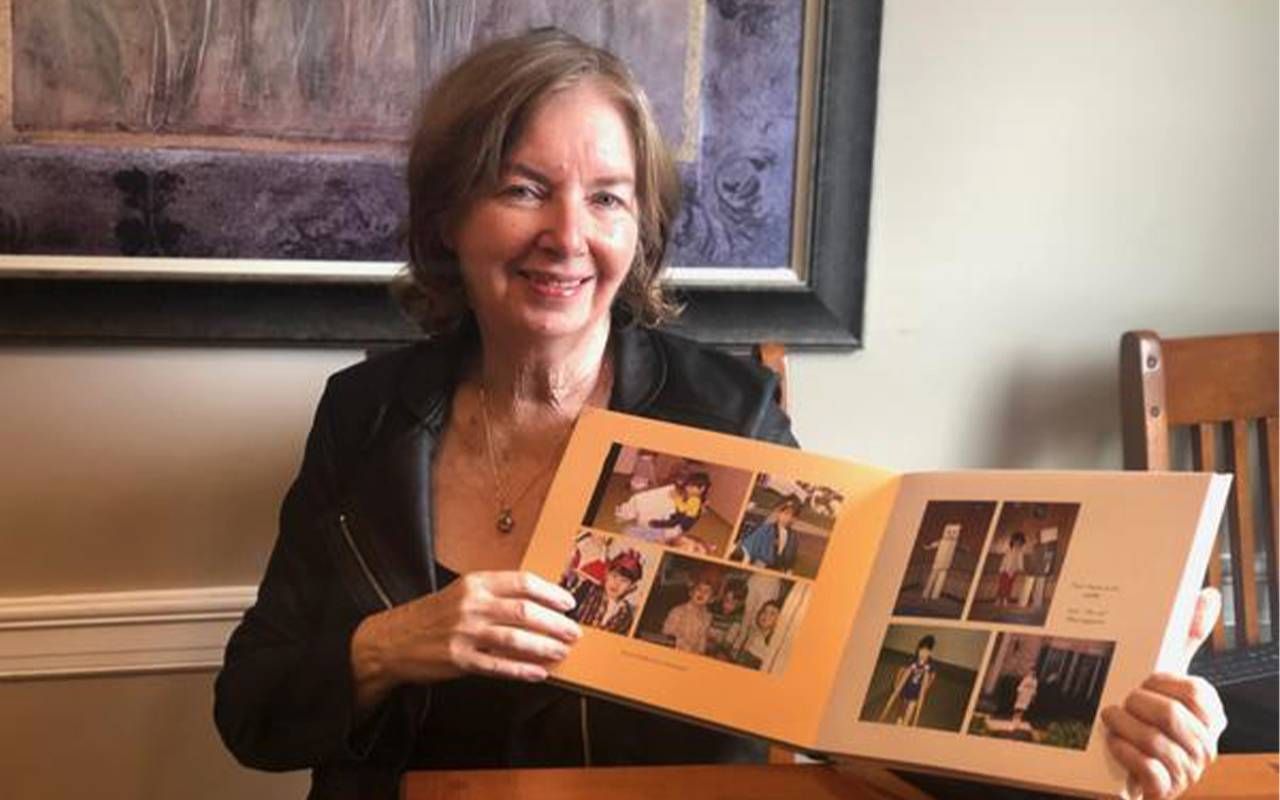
{"points": [[392, 630], [756, 646]]}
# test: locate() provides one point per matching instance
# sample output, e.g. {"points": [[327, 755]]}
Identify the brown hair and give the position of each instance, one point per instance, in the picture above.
{"points": [[466, 127]]}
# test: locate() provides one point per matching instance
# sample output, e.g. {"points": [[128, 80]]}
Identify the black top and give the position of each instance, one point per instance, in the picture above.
{"points": [[356, 534]]}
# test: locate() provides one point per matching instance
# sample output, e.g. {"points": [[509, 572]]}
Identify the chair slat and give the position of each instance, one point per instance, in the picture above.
{"points": [[1268, 445], [1240, 511], [1204, 459]]}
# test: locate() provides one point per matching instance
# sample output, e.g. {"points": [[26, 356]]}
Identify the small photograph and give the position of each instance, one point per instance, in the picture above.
{"points": [[609, 577], [734, 615], [944, 559], [1042, 689], [682, 503], [1020, 575], [924, 676], [787, 525]]}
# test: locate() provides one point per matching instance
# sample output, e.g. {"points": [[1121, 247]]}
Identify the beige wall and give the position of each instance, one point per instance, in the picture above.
{"points": [[1048, 174]]}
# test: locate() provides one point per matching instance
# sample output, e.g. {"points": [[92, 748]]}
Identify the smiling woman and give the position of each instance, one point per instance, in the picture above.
{"points": [[392, 629]]}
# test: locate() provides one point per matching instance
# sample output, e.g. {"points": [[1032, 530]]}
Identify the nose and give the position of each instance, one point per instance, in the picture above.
{"points": [[565, 231]]}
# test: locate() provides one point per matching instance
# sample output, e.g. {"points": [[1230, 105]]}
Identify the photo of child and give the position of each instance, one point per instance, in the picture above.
{"points": [[607, 577], [786, 525], [656, 497], [1020, 574], [733, 615], [944, 559], [1042, 689], [924, 676]]}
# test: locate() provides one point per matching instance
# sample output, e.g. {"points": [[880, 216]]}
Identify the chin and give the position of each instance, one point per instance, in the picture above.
{"points": [[561, 324]]}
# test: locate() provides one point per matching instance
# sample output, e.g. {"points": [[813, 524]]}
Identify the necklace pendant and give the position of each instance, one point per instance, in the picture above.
{"points": [[505, 522]]}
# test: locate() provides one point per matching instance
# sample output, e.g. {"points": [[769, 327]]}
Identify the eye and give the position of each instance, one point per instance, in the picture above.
{"points": [[608, 200], [521, 191]]}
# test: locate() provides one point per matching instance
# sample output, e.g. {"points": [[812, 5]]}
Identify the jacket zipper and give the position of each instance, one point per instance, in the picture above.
{"points": [[364, 565], [586, 736]]}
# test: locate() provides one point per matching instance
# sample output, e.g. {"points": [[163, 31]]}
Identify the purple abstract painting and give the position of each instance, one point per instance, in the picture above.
{"points": [[250, 130]]}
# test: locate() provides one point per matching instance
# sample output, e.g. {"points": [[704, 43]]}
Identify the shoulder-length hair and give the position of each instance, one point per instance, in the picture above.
{"points": [[467, 125]]}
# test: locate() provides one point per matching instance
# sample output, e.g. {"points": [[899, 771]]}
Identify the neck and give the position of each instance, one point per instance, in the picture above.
{"points": [[529, 381]]}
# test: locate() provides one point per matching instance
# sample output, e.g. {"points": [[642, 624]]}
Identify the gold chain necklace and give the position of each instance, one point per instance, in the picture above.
{"points": [[506, 521]]}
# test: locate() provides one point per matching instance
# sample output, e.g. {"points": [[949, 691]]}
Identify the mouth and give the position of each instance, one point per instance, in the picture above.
{"points": [[550, 285]]}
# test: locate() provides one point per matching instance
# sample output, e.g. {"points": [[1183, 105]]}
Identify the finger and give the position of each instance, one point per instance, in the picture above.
{"points": [[1176, 721], [499, 666], [1149, 740], [1147, 772], [529, 585], [1197, 695], [1205, 616], [533, 616], [520, 644]]}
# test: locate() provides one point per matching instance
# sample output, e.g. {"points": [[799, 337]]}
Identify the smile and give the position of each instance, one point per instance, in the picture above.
{"points": [[553, 285]]}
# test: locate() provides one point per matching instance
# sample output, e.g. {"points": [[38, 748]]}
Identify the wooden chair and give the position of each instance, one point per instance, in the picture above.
{"points": [[1218, 386], [1223, 389]]}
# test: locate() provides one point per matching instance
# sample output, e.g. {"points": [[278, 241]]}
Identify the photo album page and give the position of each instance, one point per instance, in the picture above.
{"points": [[1005, 609], [972, 622]]}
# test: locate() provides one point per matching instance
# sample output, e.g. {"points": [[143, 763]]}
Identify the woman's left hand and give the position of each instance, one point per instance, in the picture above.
{"points": [[1166, 733]]}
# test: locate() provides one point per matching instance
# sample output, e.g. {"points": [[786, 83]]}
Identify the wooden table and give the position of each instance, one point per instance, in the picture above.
{"points": [[1233, 777]]}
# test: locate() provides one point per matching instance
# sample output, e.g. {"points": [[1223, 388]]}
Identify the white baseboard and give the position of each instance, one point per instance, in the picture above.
{"points": [[118, 632]]}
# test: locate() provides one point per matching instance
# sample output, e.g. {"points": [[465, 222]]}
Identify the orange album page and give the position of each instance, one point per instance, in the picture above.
{"points": [[716, 577]]}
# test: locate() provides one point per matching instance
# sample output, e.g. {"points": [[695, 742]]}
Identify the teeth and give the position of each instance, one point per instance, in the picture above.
{"points": [[547, 280]]}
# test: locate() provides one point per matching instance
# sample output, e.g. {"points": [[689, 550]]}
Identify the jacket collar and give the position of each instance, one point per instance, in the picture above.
{"points": [[431, 372]]}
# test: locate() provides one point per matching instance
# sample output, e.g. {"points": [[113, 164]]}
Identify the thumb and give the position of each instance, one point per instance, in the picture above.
{"points": [[1205, 616]]}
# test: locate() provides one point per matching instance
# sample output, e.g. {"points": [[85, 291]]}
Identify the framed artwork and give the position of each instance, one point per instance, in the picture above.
{"points": [[190, 171]]}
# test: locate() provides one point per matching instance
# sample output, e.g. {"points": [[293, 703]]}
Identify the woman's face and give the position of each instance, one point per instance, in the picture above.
{"points": [[768, 617], [544, 253]]}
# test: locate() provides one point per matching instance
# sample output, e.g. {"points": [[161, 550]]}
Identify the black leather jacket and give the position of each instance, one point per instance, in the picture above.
{"points": [[356, 537]]}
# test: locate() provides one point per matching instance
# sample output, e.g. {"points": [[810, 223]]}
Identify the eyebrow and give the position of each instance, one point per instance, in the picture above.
{"points": [[604, 180]]}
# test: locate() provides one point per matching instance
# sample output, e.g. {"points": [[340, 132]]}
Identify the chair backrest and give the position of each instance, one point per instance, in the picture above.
{"points": [[1224, 389], [774, 356]]}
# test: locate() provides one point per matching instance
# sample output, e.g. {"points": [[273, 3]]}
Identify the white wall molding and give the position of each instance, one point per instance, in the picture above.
{"points": [[118, 632]]}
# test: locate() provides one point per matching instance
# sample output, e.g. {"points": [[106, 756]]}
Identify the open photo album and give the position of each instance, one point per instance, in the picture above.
{"points": [[969, 622]]}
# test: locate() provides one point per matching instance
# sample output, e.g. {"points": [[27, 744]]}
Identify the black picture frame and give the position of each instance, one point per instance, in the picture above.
{"points": [[825, 312]]}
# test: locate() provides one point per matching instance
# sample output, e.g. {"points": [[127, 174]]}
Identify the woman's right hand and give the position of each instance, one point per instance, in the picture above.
{"points": [[501, 624]]}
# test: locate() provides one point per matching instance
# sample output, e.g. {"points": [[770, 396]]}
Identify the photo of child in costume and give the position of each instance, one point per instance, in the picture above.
{"points": [[911, 685], [1042, 689], [729, 614], [944, 559], [1023, 563], [786, 525], [677, 502], [924, 677], [605, 576]]}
